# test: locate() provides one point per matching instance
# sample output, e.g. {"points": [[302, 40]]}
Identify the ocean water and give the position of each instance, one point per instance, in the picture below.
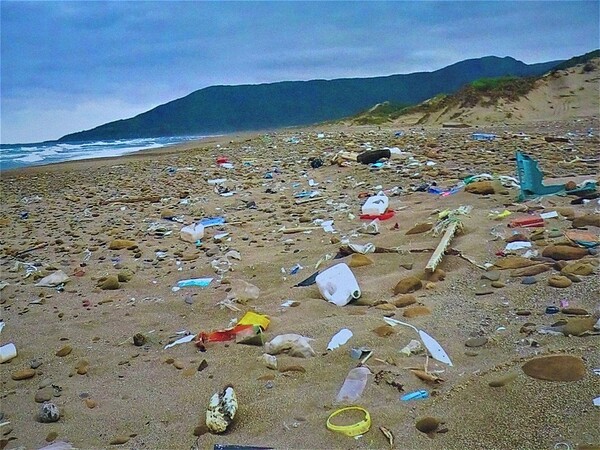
{"points": [[24, 155]]}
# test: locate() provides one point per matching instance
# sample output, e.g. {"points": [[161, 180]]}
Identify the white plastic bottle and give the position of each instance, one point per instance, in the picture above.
{"points": [[376, 204], [353, 386], [191, 233], [338, 285]]}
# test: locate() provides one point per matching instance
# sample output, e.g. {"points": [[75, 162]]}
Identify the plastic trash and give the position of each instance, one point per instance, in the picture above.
{"points": [[192, 233], [483, 136], [413, 347], [376, 204], [433, 346], [355, 430], [293, 344], [55, 279], [517, 245], [252, 318], [7, 352], [353, 386], [212, 221], [385, 216], [308, 281], [182, 340], [242, 291], [416, 395], [340, 338], [194, 282], [527, 222], [338, 285]]}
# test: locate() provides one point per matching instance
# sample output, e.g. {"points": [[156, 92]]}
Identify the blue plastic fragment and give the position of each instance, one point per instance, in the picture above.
{"points": [[212, 221], [197, 282], [416, 395], [483, 136]]}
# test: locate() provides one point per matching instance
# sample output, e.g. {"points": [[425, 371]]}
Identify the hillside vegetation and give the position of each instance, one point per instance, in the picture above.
{"points": [[503, 98], [221, 109]]}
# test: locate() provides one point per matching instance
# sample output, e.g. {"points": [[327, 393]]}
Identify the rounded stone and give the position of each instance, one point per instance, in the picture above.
{"points": [[404, 300], [556, 368], [44, 395], [558, 252], [558, 281], [23, 374], [110, 284], [476, 341], [408, 285], [64, 351], [415, 311], [49, 413]]}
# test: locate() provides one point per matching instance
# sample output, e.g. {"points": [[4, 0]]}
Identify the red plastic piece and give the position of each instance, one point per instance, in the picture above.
{"points": [[527, 222], [385, 216], [222, 335]]}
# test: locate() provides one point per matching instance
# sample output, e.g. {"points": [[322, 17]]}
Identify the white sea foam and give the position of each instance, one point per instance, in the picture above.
{"points": [[45, 153]]}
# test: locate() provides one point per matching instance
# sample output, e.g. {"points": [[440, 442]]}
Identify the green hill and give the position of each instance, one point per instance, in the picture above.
{"points": [[222, 109], [485, 91]]}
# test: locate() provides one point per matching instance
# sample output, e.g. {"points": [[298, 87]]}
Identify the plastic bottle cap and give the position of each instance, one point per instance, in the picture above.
{"points": [[351, 430]]}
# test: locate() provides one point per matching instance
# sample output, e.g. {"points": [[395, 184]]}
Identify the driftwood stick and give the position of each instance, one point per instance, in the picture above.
{"points": [[285, 230], [309, 200], [35, 247]]}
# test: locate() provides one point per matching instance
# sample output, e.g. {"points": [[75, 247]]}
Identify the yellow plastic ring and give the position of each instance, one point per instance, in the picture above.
{"points": [[351, 430]]}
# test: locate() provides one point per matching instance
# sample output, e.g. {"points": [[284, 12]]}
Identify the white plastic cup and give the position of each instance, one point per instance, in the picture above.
{"points": [[338, 285], [7, 352]]}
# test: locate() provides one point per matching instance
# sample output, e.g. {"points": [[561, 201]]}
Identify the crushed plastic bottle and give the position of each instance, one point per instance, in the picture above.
{"points": [[353, 386]]}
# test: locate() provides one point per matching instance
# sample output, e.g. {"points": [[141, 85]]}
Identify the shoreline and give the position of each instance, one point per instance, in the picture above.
{"points": [[128, 157]]}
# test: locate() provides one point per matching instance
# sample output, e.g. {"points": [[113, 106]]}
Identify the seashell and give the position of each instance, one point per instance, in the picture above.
{"points": [[221, 410]]}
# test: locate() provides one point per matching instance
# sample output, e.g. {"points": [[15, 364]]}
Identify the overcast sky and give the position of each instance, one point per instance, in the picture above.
{"points": [[73, 65]]}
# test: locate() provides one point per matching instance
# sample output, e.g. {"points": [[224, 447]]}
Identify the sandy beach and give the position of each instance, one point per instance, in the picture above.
{"points": [[488, 317]]}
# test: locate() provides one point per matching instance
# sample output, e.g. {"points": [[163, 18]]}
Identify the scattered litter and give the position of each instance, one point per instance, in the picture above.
{"points": [[354, 385], [53, 280], [293, 344], [194, 282], [517, 245], [412, 348], [354, 430], [338, 285], [435, 349], [416, 395], [183, 340], [7, 352], [340, 338]]}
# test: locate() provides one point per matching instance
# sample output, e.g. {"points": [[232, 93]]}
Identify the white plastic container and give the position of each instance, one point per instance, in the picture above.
{"points": [[338, 285], [376, 205], [353, 386], [7, 352], [191, 233]]}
